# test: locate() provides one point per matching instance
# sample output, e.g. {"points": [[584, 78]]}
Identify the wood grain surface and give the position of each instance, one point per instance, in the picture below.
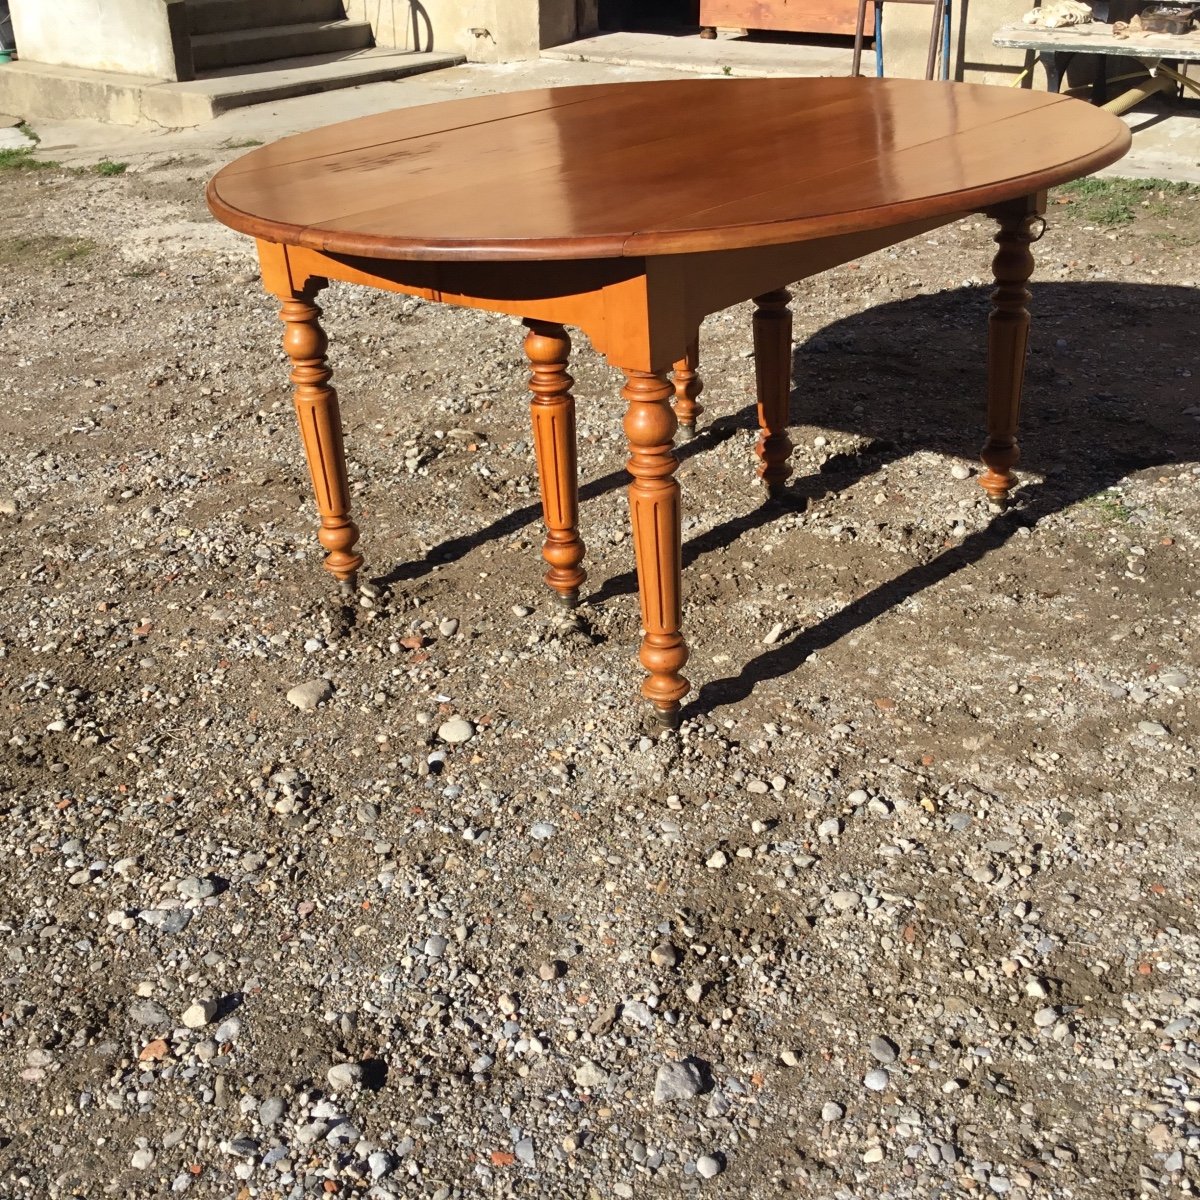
{"points": [[641, 169]]}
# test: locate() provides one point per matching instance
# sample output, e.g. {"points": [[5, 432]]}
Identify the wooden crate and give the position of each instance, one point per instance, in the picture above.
{"points": [[785, 16]]}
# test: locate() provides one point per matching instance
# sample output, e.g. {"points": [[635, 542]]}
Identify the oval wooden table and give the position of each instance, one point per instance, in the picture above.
{"points": [[632, 211]]}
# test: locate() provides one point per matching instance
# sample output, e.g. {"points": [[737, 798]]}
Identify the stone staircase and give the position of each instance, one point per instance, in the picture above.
{"points": [[238, 33]]}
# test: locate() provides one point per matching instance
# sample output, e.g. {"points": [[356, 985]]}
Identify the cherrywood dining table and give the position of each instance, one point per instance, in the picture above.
{"points": [[632, 211]]}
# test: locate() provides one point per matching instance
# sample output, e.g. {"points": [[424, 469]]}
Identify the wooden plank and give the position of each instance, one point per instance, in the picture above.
{"points": [[1098, 39], [783, 16]]}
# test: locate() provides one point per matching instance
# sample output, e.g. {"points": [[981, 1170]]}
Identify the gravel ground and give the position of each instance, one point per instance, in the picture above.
{"points": [[904, 908]]}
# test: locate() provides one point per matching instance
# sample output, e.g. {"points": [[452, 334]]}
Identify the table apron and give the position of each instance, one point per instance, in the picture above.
{"points": [[640, 313]]}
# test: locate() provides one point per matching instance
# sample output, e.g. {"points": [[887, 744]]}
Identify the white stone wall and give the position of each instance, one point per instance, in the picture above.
{"points": [[483, 30], [129, 36]]}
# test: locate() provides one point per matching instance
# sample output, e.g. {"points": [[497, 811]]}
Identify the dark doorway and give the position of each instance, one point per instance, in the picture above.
{"points": [[649, 14]]}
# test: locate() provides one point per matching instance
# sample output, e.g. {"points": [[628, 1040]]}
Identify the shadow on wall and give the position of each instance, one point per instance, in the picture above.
{"points": [[405, 23]]}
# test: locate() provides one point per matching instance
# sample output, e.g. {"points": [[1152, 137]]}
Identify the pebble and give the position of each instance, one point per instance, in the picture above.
{"points": [[344, 1076], [829, 829], [142, 1160], [708, 1167], [271, 1110], [455, 731], [1045, 1017], [306, 696], [150, 1014], [521, 610], [774, 633], [677, 1081], [448, 627], [199, 1014], [717, 860], [960, 472], [435, 946], [832, 1111], [664, 955], [789, 1058], [877, 1080], [195, 888], [883, 1050], [694, 992], [844, 901], [1153, 728], [873, 1155], [551, 969], [541, 831], [590, 1075]]}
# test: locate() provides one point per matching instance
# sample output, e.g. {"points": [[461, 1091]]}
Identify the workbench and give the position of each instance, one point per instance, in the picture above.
{"points": [[1056, 48]]}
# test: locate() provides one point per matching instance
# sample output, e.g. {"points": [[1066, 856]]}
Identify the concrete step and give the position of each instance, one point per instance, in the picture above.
{"points": [[36, 90], [221, 16], [239, 47]]}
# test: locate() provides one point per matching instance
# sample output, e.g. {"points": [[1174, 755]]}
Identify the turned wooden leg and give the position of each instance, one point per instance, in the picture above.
{"points": [[1008, 342], [657, 537], [773, 376], [321, 430], [688, 386], [553, 410]]}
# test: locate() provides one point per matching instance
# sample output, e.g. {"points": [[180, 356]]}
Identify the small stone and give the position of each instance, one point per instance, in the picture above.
{"points": [[1153, 728], [1172, 677], [306, 696], [195, 888], [873, 1155], [1045, 1017], [774, 633], [831, 1111], [589, 1075], [844, 901], [199, 1014], [829, 829], [271, 1110], [228, 1030], [379, 1164], [708, 1167], [960, 472], [149, 1015], [789, 1058], [883, 1050], [508, 1004], [344, 1076], [677, 1081], [525, 1152], [664, 955], [1174, 1162], [448, 627], [521, 610], [435, 946], [8, 506], [142, 1160], [541, 831], [551, 969], [877, 1080], [694, 992], [455, 731], [1035, 989], [983, 874], [717, 860]]}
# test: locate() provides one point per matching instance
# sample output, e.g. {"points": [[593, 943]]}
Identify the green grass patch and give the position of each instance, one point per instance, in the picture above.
{"points": [[21, 159], [107, 167], [1110, 506], [1112, 202], [45, 250]]}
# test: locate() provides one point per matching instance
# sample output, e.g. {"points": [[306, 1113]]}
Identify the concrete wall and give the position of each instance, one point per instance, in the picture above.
{"points": [[973, 58], [134, 37], [483, 30]]}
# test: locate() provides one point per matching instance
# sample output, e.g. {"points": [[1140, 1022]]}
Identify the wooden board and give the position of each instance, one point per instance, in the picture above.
{"points": [[1098, 39], [783, 16]]}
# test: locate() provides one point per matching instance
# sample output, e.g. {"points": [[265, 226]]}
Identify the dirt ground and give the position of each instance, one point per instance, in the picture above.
{"points": [[941, 831]]}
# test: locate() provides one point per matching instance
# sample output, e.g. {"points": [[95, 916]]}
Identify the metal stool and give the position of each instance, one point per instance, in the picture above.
{"points": [[939, 32]]}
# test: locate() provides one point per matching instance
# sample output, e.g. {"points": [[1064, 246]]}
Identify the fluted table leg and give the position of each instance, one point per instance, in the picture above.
{"points": [[1008, 344], [688, 386], [654, 513], [321, 431], [553, 412], [773, 378]]}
